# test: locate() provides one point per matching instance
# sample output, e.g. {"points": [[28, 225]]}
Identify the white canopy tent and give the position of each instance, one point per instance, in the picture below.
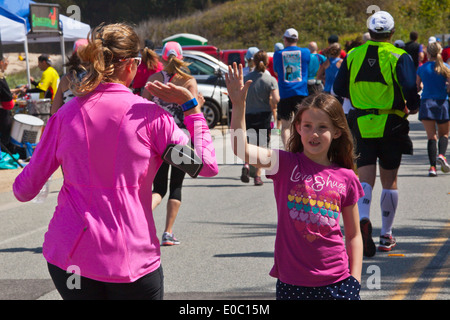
{"points": [[13, 30]]}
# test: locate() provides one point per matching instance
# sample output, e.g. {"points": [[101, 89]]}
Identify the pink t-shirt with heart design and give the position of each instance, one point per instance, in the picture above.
{"points": [[309, 246]]}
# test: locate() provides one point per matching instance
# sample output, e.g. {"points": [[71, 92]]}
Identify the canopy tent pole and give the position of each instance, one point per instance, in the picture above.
{"points": [[63, 51], [25, 45]]}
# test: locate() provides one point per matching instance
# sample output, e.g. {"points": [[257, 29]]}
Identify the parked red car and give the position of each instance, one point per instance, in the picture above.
{"points": [[226, 56], [233, 55]]}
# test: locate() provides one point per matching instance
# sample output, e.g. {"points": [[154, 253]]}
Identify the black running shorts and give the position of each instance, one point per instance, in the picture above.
{"points": [[288, 106]]}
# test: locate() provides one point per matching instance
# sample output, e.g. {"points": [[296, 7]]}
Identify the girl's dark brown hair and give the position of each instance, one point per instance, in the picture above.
{"points": [[341, 150], [103, 56]]}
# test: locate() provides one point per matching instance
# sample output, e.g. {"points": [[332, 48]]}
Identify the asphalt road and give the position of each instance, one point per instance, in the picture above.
{"points": [[227, 232]]}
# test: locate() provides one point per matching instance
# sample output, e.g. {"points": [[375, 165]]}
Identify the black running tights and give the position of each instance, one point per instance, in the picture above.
{"points": [[148, 287], [176, 181]]}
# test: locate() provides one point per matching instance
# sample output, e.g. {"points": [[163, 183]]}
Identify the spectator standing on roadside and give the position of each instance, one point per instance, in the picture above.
{"points": [[434, 106], [263, 96], [415, 49], [378, 78], [291, 66]]}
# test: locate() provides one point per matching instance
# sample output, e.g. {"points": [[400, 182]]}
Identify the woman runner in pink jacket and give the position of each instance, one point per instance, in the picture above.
{"points": [[109, 143]]}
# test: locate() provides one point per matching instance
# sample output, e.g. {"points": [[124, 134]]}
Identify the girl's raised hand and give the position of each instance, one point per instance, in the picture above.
{"points": [[234, 79], [237, 91]]}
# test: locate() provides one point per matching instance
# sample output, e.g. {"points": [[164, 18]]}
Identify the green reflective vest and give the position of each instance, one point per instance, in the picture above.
{"points": [[373, 84]]}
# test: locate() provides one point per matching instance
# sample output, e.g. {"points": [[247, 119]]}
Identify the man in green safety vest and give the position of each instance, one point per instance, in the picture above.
{"points": [[379, 79]]}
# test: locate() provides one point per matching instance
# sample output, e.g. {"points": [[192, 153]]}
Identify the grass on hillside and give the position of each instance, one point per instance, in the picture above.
{"points": [[261, 23]]}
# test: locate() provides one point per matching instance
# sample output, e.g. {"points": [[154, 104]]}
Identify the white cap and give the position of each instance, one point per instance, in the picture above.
{"points": [[432, 39], [381, 22], [291, 33]]}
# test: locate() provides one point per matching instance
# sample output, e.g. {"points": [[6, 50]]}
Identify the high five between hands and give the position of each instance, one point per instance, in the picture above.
{"points": [[172, 93]]}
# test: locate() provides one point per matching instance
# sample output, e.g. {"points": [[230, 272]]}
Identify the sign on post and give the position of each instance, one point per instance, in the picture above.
{"points": [[44, 18]]}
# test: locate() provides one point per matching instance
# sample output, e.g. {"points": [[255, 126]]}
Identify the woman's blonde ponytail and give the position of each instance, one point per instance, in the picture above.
{"points": [[177, 66], [101, 57], [434, 50]]}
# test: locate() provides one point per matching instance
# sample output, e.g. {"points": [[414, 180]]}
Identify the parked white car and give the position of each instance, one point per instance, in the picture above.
{"points": [[210, 75]]}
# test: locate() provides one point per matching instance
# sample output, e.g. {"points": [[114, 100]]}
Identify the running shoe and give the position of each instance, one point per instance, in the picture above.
{"points": [[432, 172], [168, 239], [387, 243], [445, 167], [245, 176], [369, 248], [258, 181]]}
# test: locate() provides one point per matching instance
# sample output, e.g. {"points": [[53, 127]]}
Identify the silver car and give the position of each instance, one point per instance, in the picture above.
{"points": [[210, 75]]}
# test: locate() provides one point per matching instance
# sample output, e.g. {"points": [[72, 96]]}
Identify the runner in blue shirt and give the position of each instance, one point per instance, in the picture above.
{"points": [[314, 85], [291, 66], [434, 106]]}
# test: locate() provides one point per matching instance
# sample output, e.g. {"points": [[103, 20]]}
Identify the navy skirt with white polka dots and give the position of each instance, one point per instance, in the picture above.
{"points": [[347, 289]]}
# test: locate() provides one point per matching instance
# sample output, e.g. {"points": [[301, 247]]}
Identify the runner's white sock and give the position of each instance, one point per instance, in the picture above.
{"points": [[388, 203], [364, 202]]}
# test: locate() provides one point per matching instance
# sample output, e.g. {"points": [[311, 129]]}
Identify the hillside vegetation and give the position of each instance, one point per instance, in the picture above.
{"points": [[261, 23]]}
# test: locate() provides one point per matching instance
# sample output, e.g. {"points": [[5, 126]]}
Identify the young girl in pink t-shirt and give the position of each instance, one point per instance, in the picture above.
{"points": [[314, 185]]}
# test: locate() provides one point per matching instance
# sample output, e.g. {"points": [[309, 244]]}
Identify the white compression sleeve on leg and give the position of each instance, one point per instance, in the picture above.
{"points": [[364, 202], [388, 204]]}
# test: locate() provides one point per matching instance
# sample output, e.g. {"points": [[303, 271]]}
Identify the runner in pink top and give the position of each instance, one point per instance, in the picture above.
{"points": [[150, 65], [109, 143]]}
